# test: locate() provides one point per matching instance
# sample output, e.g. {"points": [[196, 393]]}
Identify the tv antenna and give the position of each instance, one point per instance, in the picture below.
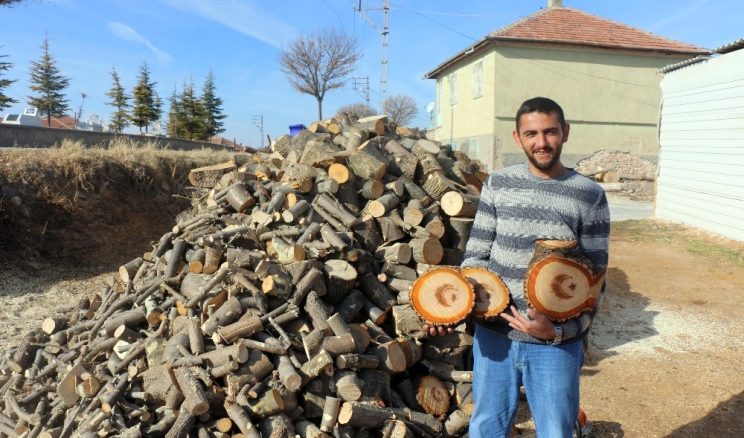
{"points": [[258, 123], [362, 85]]}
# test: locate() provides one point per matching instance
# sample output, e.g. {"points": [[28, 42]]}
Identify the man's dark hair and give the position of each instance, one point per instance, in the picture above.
{"points": [[540, 105]]}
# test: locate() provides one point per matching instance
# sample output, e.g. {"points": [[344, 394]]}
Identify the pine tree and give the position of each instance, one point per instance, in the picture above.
{"points": [[120, 101], [49, 83], [176, 117], [212, 108], [5, 101], [193, 113], [146, 107]]}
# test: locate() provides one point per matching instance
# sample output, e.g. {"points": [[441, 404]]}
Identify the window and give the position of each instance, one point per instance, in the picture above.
{"points": [[478, 79], [439, 102], [453, 88], [474, 148]]}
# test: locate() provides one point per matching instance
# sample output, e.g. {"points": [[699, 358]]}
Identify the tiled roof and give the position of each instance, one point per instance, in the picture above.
{"points": [[64, 122], [571, 27], [574, 27]]}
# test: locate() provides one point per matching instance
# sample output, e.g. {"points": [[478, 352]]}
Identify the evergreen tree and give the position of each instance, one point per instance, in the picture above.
{"points": [[212, 109], [193, 113], [120, 101], [146, 107], [48, 82], [5, 101], [176, 117]]}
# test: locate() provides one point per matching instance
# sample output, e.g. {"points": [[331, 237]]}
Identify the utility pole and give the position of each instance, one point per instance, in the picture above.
{"points": [[362, 85], [258, 123], [384, 36]]}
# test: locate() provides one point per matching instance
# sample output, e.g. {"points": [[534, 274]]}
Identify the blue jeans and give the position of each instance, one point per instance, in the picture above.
{"points": [[549, 374]]}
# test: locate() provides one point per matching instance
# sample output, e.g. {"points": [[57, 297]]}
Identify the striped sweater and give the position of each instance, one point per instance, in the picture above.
{"points": [[516, 209]]}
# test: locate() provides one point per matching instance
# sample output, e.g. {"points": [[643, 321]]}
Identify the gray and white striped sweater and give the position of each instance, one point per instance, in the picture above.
{"points": [[516, 209]]}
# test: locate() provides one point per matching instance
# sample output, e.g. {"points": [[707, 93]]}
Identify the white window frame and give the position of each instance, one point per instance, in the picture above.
{"points": [[478, 79], [453, 88]]}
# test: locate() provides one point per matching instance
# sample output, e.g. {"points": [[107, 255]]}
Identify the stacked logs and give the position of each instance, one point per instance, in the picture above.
{"points": [[277, 306]]}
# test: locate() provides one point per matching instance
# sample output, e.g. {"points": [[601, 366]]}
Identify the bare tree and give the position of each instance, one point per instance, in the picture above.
{"points": [[358, 110], [400, 109], [320, 62]]}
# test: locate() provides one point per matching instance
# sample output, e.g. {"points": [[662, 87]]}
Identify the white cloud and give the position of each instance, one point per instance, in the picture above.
{"points": [[127, 33], [248, 19]]}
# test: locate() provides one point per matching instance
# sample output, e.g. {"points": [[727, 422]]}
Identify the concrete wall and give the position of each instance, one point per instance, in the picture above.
{"points": [[31, 136], [611, 98], [701, 182]]}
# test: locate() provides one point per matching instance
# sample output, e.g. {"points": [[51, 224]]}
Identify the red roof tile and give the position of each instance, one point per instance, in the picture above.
{"points": [[571, 26]]}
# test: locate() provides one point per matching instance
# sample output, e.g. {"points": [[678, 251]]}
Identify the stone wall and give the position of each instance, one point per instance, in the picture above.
{"points": [[36, 137]]}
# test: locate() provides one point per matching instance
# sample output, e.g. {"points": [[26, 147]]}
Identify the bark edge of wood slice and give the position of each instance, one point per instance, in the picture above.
{"points": [[559, 280], [442, 296], [491, 294]]}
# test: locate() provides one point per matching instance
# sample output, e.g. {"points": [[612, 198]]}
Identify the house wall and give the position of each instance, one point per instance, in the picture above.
{"points": [[611, 98], [700, 181], [32, 136]]}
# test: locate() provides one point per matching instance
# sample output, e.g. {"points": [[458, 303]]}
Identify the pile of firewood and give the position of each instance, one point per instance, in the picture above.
{"points": [[277, 307]]}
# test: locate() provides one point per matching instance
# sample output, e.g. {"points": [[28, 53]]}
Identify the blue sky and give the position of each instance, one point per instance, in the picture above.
{"points": [[240, 41]]}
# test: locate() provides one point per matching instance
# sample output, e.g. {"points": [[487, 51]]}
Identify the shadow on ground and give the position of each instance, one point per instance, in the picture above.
{"points": [[724, 420]]}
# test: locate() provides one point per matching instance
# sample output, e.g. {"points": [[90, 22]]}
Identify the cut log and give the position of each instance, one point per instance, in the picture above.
{"points": [[456, 204], [378, 207], [433, 396], [239, 198], [367, 166], [560, 280], [339, 173], [208, 176], [195, 399], [442, 296], [341, 277], [459, 232], [427, 250], [372, 189], [491, 294]]}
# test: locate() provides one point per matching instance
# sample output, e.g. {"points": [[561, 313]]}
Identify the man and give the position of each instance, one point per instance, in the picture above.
{"points": [[520, 204]]}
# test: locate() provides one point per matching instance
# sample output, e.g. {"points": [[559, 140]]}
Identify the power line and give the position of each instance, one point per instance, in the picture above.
{"points": [[436, 22]]}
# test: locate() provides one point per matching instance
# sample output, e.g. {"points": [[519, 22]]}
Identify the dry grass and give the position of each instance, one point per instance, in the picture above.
{"points": [[689, 239], [63, 172]]}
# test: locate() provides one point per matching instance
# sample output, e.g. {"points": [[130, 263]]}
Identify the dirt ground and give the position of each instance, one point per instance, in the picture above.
{"points": [[665, 355]]}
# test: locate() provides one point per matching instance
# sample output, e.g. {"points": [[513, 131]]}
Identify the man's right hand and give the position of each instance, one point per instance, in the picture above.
{"points": [[434, 330]]}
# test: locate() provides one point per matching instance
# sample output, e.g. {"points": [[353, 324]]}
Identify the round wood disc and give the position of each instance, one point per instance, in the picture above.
{"points": [[442, 296], [491, 294], [562, 288]]}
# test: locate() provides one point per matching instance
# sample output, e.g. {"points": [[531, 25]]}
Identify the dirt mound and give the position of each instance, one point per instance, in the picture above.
{"points": [[74, 205]]}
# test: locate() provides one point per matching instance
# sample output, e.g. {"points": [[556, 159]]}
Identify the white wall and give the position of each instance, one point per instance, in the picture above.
{"points": [[701, 160]]}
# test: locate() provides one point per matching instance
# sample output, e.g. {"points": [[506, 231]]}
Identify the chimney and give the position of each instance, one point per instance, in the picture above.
{"points": [[555, 4]]}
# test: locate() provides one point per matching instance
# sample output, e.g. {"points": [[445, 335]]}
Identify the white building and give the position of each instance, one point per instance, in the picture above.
{"points": [[701, 134]]}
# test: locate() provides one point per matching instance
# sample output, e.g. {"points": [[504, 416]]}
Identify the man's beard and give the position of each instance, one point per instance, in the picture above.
{"points": [[545, 165]]}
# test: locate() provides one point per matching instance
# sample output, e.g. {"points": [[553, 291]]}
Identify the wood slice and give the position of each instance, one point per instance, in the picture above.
{"points": [[433, 396], [491, 294], [560, 282], [442, 296]]}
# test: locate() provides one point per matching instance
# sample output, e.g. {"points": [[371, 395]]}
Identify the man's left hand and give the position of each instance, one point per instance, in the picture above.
{"points": [[538, 325]]}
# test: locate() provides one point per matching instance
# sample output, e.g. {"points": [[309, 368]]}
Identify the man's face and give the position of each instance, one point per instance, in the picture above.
{"points": [[541, 137]]}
